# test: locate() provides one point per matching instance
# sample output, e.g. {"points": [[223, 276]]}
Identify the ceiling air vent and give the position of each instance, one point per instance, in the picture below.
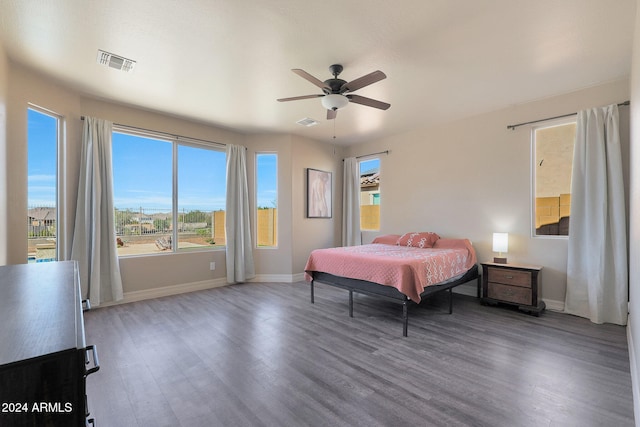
{"points": [[115, 61], [307, 122]]}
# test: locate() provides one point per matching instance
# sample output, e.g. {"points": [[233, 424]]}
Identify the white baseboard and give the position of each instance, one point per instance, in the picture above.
{"points": [[554, 305], [199, 286], [634, 371], [167, 291], [469, 289]]}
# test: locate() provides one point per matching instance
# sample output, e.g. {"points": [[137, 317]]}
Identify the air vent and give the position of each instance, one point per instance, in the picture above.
{"points": [[307, 122], [115, 61]]}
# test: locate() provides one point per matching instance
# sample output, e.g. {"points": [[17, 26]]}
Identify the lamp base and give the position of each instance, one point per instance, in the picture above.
{"points": [[500, 260]]}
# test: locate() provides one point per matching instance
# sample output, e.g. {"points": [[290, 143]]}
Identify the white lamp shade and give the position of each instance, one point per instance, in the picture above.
{"points": [[334, 101], [500, 242]]}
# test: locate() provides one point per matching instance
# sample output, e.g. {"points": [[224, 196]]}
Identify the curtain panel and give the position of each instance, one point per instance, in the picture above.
{"points": [[239, 249], [94, 243], [597, 275], [351, 235]]}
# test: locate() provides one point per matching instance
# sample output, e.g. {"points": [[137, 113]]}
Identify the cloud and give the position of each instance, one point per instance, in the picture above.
{"points": [[41, 178]]}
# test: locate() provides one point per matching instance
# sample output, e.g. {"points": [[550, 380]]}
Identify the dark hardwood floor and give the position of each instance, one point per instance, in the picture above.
{"points": [[263, 355]]}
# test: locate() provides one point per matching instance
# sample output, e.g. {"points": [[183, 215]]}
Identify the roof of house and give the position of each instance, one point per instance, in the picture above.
{"points": [[42, 213], [370, 180]]}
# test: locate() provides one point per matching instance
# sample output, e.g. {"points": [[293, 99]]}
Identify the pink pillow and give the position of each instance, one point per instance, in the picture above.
{"points": [[387, 239], [450, 244], [418, 240], [458, 244]]}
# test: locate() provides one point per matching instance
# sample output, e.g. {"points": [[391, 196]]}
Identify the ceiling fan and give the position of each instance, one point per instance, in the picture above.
{"points": [[337, 92]]}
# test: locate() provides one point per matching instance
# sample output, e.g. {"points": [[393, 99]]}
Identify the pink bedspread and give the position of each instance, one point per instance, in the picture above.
{"points": [[408, 269]]}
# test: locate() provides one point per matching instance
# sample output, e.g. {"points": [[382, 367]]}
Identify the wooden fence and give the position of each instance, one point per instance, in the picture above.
{"points": [[267, 223]]}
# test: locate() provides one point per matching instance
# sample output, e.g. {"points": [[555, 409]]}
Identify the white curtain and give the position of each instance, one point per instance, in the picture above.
{"points": [[94, 242], [351, 235], [240, 266], [597, 278]]}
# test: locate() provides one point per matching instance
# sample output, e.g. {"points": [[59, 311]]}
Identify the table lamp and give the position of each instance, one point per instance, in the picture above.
{"points": [[500, 245]]}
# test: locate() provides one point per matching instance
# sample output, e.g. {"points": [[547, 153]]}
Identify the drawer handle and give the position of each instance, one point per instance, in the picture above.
{"points": [[96, 363], [508, 277]]}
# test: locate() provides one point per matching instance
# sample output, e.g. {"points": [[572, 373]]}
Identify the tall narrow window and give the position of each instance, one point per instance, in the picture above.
{"points": [[43, 133], [169, 195], [370, 194], [552, 166], [267, 199]]}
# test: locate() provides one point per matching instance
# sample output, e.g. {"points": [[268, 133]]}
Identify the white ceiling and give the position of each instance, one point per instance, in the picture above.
{"points": [[225, 62]]}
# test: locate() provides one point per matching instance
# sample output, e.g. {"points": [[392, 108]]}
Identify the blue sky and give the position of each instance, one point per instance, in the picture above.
{"points": [[267, 185], [42, 161], [367, 165], [142, 169]]}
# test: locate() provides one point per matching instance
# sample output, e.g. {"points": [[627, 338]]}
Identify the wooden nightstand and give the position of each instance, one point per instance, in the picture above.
{"points": [[512, 284]]}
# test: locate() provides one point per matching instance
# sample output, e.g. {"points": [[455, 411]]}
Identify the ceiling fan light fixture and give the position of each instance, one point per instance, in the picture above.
{"points": [[334, 101]]}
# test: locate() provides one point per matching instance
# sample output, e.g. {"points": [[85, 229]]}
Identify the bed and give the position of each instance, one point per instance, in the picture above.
{"points": [[399, 268]]}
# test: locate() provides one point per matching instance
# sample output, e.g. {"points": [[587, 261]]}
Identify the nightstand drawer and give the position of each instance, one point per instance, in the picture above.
{"points": [[509, 277], [514, 294]]}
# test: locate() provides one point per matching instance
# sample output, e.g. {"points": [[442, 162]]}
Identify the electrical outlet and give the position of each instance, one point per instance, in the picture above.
{"points": [[212, 266]]}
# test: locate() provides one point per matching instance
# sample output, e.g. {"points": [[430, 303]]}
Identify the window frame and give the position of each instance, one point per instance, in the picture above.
{"points": [[256, 179], [534, 162], [176, 142], [360, 161], [59, 162]]}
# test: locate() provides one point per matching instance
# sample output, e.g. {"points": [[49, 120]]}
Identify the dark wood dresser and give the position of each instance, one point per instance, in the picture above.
{"points": [[44, 360], [513, 284]]}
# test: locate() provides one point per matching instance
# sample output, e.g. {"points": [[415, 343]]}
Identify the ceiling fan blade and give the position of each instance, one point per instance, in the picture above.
{"points": [[368, 102], [363, 81], [295, 98], [331, 114], [309, 77]]}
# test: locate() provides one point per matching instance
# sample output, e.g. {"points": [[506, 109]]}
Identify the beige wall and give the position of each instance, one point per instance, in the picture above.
{"points": [[488, 189], [313, 233], [634, 228], [274, 261], [143, 273], [472, 177], [26, 87], [167, 269]]}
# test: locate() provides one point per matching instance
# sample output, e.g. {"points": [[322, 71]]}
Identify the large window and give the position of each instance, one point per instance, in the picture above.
{"points": [[167, 191], [552, 166], [43, 134], [370, 194], [267, 199]]}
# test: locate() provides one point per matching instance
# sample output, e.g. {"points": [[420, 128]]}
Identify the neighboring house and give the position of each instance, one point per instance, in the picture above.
{"points": [[370, 187], [370, 199], [42, 221]]}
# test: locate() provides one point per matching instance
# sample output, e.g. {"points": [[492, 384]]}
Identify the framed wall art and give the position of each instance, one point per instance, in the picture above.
{"points": [[319, 194]]}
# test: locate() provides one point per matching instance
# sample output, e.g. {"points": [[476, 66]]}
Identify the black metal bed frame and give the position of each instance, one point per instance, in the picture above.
{"points": [[390, 293]]}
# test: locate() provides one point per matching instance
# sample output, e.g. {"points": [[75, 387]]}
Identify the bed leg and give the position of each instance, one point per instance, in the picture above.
{"points": [[405, 319], [312, 301], [450, 300], [350, 303]]}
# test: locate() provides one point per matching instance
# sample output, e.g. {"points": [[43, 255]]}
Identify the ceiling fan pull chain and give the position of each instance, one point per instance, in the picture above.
{"points": [[334, 127]]}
